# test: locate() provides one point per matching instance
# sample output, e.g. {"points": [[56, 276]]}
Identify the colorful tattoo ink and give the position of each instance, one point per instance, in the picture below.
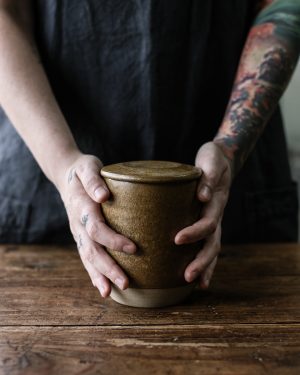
{"points": [[269, 58]]}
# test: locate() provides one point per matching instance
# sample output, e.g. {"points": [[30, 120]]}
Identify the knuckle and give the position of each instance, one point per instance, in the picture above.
{"points": [[92, 183], [112, 240], [112, 271], [94, 160], [197, 269], [88, 207], [92, 230], [113, 243], [211, 225], [88, 255], [212, 177], [80, 168], [202, 263]]}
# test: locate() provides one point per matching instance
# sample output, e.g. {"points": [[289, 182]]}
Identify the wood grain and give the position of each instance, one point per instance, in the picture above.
{"points": [[254, 349], [52, 321], [251, 285]]}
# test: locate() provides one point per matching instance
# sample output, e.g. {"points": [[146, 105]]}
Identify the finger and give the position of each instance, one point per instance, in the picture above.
{"points": [[89, 214], [103, 284], [196, 232], [211, 215], [98, 231], [92, 254], [207, 274], [89, 174], [98, 280], [210, 250]]}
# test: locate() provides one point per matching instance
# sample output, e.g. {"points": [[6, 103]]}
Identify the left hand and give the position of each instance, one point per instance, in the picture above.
{"points": [[212, 191]]}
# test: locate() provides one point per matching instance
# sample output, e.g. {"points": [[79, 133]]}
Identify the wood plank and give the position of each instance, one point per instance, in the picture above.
{"points": [[53, 322], [62, 262], [156, 350], [47, 285], [275, 301]]}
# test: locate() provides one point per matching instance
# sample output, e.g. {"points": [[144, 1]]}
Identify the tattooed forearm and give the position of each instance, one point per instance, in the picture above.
{"points": [[267, 63], [285, 16]]}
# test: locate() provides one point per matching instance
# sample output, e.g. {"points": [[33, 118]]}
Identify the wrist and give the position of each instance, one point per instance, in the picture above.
{"points": [[61, 166], [228, 155]]}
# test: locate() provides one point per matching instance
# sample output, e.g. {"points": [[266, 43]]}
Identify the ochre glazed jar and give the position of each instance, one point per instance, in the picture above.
{"points": [[151, 201]]}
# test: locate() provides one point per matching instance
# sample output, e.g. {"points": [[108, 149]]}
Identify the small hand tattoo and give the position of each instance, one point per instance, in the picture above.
{"points": [[85, 219], [71, 175], [79, 243]]}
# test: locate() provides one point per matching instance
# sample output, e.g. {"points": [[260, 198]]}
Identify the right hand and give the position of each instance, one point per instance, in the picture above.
{"points": [[82, 190]]}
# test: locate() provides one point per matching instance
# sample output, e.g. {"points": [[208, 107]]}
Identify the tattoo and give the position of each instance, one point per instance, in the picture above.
{"points": [[269, 58], [285, 16], [79, 242], [85, 219], [71, 175]]}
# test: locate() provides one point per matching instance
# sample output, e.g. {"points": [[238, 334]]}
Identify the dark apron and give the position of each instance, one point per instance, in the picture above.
{"points": [[142, 79]]}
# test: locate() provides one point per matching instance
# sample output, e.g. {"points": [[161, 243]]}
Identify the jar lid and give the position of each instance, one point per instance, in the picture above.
{"points": [[151, 171]]}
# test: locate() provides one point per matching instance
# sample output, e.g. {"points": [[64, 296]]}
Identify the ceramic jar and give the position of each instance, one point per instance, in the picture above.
{"points": [[151, 201]]}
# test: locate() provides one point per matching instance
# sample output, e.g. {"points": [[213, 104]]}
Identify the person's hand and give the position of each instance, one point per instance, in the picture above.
{"points": [[213, 191], [82, 190]]}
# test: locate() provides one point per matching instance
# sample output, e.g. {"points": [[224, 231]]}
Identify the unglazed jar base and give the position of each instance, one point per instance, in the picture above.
{"points": [[151, 297]]}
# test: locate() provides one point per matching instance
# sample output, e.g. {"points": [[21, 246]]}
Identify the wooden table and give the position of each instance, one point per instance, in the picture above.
{"points": [[54, 322]]}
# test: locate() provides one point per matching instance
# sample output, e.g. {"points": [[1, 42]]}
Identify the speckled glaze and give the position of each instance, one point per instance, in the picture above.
{"points": [[150, 202]]}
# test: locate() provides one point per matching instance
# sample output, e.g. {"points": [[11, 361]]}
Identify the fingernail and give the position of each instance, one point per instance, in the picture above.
{"points": [[102, 290], [100, 193], [130, 249], [120, 283], [205, 192]]}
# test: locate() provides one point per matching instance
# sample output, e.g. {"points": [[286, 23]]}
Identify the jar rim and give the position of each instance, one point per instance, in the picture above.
{"points": [[151, 171]]}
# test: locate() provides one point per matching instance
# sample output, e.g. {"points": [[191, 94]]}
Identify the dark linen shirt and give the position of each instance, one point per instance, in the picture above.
{"points": [[145, 79]]}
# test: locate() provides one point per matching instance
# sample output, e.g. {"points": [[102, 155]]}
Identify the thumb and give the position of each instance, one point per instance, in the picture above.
{"points": [[207, 184], [210, 160], [89, 175]]}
